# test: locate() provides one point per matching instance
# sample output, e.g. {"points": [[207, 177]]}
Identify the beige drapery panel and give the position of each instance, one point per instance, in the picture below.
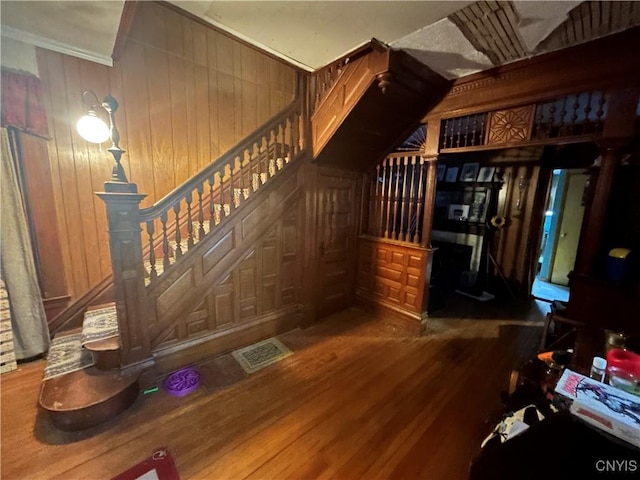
{"points": [[28, 320]]}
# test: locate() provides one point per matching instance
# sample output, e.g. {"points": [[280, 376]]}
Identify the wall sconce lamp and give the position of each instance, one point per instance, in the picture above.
{"points": [[94, 130]]}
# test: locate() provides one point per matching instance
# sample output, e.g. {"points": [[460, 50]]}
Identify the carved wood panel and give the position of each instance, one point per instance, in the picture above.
{"points": [[510, 126], [337, 219], [262, 282], [392, 272]]}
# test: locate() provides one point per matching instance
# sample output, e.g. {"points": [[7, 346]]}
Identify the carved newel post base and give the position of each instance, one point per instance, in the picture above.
{"points": [[125, 245]]}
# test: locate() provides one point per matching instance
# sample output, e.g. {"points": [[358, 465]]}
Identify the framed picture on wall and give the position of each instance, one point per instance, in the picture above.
{"points": [[469, 172], [452, 174], [486, 174], [440, 171], [459, 213]]}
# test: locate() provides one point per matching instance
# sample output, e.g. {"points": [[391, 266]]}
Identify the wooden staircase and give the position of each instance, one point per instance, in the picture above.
{"points": [[184, 230], [90, 396], [369, 104], [218, 263]]}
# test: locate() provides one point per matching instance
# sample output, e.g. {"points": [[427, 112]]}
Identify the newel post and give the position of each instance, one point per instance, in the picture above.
{"points": [[122, 201]]}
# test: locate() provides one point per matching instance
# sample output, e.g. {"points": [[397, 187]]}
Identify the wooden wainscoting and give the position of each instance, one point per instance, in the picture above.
{"points": [[392, 277], [240, 285]]}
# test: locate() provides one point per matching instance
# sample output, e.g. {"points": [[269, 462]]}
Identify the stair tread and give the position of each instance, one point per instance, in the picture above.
{"points": [[100, 320], [83, 388], [108, 344]]}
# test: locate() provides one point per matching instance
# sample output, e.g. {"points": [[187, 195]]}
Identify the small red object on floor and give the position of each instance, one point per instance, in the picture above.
{"points": [[158, 466]]}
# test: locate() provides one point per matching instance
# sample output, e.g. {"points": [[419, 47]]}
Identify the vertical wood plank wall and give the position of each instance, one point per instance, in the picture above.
{"points": [[187, 94], [512, 245]]}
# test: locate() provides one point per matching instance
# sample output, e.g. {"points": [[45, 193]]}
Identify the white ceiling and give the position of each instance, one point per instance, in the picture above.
{"points": [[308, 33], [86, 29], [313, 33]]}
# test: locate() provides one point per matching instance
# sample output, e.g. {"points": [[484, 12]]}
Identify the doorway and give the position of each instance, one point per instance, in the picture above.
{"points": [[562, 223], [337, 229]]}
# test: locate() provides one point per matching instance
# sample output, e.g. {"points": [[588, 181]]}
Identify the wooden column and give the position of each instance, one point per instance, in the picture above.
{"points": [[591, 234], [618, 132], [431, 150], [122, 201], [429, 199], [308, 211]]}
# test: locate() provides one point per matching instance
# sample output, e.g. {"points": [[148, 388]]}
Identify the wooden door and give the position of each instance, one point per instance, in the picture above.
{"points": [[338, 207]]}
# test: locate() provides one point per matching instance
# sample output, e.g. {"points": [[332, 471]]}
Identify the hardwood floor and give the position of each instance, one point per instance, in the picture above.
{"points": [[358, 399]]}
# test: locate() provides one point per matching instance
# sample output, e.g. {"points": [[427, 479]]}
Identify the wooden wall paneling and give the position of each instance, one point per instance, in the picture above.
{"points": [[190, 106], [512, 241], [201, 76], [249, 89], [200, 53], [181, 89], [138, 138], [214, 124], [174, 33], [244, 242], [226, 114], [68, 174], [179, 123], [50, 68], [100, 165], [263, 107], [247, 278], [42, 213], [160, 121], [392, 272], [269, 266]]}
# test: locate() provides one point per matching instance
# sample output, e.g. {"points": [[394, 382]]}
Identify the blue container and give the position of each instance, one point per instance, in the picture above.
{"points": [[618, 264]]}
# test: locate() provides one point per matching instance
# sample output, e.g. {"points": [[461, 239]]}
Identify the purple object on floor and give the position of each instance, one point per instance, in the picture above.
{"points": [[182, 382]]}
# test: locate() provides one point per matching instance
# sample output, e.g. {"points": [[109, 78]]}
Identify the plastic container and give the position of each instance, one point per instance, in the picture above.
{"points": [[618, 264], [623, 370], [598, 369]]}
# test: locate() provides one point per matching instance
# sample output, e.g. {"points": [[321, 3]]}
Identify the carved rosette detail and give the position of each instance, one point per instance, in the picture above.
{"points": [[510, 126]]}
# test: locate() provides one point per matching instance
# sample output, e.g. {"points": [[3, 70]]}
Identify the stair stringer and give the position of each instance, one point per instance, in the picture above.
{"points": [[224, 293]]}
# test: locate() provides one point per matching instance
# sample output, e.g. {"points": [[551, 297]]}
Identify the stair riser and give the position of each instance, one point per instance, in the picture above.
{"points": [[107, 360]]}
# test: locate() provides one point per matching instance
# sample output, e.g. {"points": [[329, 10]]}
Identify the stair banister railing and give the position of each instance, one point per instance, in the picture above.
{"points": [[183, 217]]}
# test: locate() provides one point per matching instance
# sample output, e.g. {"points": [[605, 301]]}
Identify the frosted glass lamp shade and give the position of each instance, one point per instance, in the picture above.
{"points": [[92, 129]]}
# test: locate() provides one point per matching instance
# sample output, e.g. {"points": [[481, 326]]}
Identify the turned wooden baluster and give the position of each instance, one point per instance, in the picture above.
{"points": [[190, 242], [153, 273], [600, 112], [371, 217], [396, 198], [272, 154], [295, 135], [212, 206], [201, 231], [410, 228], [381, 227], [166, 262], [389, 193], [263, 162], [178, 235], [221, 193], [403, 220], [587, 112]]}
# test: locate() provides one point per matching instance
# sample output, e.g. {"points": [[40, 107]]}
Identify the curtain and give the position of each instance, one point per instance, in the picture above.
{"points": [[22, 105], [28, 320]]}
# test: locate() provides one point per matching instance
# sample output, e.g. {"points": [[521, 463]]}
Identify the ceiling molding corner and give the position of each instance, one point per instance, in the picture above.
{"points": [[49, 44]]}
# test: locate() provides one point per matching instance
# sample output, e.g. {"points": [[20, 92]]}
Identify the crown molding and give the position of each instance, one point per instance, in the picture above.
{"points": [[49, 44]]}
